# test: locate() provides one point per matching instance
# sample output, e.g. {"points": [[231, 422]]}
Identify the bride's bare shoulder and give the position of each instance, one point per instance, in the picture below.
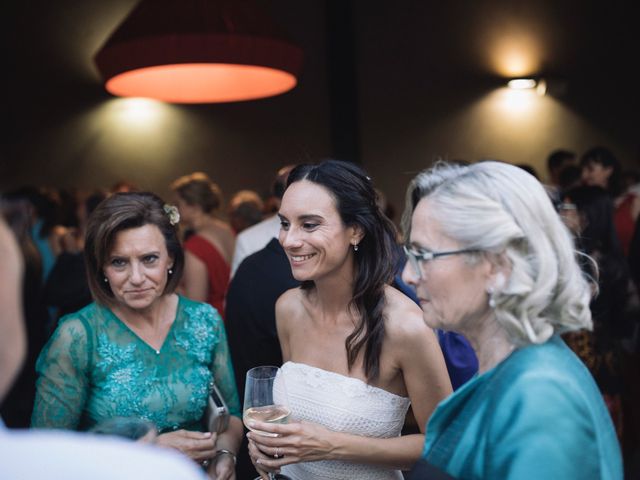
{"points": [[403, 317], [290, 310], [290, 301]]}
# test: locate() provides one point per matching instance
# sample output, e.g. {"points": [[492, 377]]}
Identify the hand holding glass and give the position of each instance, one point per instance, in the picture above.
{"points": [[265, 400]]}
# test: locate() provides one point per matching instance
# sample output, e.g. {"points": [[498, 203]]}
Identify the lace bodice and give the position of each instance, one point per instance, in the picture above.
{"points": [[343, 404], [95, 367]]}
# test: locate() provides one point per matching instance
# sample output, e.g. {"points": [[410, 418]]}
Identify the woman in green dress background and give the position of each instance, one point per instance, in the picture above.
{"points": [[140, 350]]}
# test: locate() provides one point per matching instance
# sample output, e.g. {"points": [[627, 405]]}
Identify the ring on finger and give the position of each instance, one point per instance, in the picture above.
{"points": [[277, 454]]}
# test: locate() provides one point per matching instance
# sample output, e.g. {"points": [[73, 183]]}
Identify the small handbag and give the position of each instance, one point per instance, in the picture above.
{"points": [[216, 415]]}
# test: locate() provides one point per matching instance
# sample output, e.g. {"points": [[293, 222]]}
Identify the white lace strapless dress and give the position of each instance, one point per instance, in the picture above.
{"points": [[342, 404]]}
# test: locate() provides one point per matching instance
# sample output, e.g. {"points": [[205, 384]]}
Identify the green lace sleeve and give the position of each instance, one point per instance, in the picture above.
{"points": [[222, 370], [62, 385]]}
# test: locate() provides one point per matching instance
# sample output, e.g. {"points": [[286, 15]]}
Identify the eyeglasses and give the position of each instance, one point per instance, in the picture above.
{"points": [[416, 256]]}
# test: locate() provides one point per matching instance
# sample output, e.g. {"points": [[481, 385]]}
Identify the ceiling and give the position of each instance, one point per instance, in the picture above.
{"points": [[400, 49], [563, 38]]}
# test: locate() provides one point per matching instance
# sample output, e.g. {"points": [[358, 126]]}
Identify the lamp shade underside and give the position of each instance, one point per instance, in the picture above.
{"points": [[201, 83], [198, 51]]}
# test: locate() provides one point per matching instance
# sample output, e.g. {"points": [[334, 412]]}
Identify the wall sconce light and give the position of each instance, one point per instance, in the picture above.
{"points": [[522, 83], [540, 85], [198, 51]]}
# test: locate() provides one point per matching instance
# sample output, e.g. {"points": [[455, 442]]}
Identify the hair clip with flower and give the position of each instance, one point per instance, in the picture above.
{"points": [[173, 213]]}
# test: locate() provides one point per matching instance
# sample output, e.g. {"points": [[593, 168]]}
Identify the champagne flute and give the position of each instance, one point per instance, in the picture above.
{"points": [[265, 400]]}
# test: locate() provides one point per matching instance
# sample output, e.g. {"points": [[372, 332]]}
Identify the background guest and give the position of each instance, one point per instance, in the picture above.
{"points": [[67, 288], [245, 210], [557, 161], [256, 237], [601, 168], [600, 349], [45, 231], [123, 186], [570, 177], [209, 247]]}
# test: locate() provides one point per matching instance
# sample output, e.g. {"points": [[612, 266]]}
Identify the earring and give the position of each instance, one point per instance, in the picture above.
{"points": [[106, 280], [355, 247], [170, 271], [492, 300], [497, 287]]}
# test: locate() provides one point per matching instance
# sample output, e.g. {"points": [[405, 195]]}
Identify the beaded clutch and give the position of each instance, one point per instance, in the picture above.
{"points": [[216, 415]]}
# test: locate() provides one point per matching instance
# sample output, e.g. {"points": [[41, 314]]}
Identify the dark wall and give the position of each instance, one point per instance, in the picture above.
{"points": [[430, 77], [424, 84], [65, 130]]}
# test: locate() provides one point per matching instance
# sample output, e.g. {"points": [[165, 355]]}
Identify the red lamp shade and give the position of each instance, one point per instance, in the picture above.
{"points": [[198, 51]]}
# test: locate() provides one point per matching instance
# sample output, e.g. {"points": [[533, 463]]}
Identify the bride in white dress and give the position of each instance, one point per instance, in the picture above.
{"points": [[357, 352]]}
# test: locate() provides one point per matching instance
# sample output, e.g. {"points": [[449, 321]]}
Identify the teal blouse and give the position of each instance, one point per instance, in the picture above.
{"points": [[538, 414], [94, 368]]}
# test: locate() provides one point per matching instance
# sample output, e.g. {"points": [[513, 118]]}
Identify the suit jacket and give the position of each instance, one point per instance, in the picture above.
{"points": [[250, 309], [251, 320]]}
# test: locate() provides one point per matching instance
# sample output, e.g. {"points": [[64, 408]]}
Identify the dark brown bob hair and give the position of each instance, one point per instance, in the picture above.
{"points": [[122, 211]]}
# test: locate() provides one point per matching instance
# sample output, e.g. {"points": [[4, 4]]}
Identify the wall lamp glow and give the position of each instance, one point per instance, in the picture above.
{"points": [[522, 83], [528, 84]]}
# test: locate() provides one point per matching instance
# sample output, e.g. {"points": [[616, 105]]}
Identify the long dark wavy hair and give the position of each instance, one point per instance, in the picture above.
{"points": [[375, 260]]}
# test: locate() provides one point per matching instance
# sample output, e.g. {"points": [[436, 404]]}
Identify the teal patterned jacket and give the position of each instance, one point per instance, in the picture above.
{"points": [[94, 368]]}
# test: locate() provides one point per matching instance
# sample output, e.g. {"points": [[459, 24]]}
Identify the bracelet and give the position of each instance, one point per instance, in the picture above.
{"points": [[222, 451]]}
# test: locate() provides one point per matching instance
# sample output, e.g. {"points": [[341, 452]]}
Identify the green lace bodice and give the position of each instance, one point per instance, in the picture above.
{"points": [[94, 368]]}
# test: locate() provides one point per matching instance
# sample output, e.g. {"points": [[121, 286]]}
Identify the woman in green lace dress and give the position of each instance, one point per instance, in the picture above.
{"points": [[140, 350]]}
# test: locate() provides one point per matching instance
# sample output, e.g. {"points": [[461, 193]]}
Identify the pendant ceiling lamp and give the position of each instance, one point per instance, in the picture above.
{"points": [[198, 51]]}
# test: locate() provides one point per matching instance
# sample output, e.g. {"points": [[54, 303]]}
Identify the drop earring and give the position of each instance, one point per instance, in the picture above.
{"points": [[355, 247], [497, 287], [492, 300], [170, 271], [106, 280]]}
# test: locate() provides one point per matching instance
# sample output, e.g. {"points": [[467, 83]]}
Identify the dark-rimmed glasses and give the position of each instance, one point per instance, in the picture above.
{"points": [[418, 255]]}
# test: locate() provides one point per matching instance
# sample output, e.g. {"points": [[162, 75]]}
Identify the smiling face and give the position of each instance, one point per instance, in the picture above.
{"points": [[313, 235], [137, 266], [451, 290]]}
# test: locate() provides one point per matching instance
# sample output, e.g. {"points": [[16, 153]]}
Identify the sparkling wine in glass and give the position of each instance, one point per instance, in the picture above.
{"points": [[265, 400], [265, 397], [269, 414]]}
